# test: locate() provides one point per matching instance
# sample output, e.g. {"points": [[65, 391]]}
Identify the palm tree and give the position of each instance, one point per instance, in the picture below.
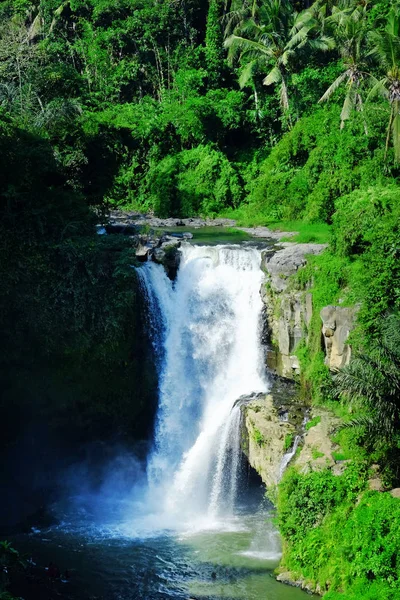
{"points": [[371, 383], [386, 49], [349, 30], [270, 39]]}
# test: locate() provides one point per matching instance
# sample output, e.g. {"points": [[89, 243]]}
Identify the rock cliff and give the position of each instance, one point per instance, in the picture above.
{"points": [[270, 425], [278, 430], [289, 310]]}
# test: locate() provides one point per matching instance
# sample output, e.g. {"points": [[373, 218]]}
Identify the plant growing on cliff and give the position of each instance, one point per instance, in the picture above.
{"points": [[258, 437], [370, 384]]}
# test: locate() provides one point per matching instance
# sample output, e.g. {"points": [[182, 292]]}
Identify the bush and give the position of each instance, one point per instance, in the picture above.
{"points": [[313, 165], [350, 547], [200, 180]]}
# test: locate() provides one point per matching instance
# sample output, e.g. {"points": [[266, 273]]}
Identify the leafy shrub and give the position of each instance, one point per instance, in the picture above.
{"points": [[288, 441], [313, 422], [349, 547], [313, 165], [200, 180]]}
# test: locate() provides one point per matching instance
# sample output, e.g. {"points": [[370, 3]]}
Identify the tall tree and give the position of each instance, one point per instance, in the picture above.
{"points": [[270, 40], [386, 49], [214, 38], [349, 28]]}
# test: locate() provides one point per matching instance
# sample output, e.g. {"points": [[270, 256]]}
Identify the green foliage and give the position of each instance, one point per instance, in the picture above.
{"points": [[366, 230], [288, 442], [113, 103], [11, 563], [313, 423], [326, 276], [339, 456], [257, 437], [312, 166], [305, 500], [350, 547], [214, 50], [306, 233], [194, 181], [370, 386], [315, 453]]}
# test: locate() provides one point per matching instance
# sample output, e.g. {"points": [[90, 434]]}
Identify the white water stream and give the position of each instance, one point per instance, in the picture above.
{"points": [[207, 323]]}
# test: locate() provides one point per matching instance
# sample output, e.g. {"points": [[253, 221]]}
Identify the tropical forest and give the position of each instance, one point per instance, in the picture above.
{"points": [[200, 307]]}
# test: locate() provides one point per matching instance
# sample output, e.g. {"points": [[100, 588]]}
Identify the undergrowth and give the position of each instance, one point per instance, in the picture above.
{"points": [[346, 544]]}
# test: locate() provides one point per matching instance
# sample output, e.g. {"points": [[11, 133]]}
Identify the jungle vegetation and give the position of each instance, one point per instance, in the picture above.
{"points": [[273, 112]]}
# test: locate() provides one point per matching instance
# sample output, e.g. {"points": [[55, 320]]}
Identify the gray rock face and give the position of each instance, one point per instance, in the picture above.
{"points": [[284, 263], [270, 424], [264, 232], [265, 438], [337, 322], [288, 310], [316, 453]]}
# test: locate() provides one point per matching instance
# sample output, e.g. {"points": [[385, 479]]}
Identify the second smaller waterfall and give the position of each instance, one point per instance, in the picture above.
{"points": [[286, 458]]}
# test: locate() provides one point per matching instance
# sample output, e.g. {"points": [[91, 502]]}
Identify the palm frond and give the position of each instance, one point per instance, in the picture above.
{"points": [[274, 76], [349, 103], [379, 88], [323, 43], [247, 73], [334, 86]]}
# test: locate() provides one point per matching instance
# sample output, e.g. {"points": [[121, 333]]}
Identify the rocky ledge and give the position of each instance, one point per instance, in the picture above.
{"points": [[278, 430], [128, 222]]}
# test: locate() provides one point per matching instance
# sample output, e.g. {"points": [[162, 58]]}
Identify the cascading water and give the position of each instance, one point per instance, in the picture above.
{"points": [[167, 540], [208, 324], [287, 457]]}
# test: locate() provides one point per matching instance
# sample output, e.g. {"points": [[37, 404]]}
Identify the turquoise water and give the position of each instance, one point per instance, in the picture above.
{"points": [[234, 561]]}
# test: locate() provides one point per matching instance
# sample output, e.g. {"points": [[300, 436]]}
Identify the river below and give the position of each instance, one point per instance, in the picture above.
{"points": [[233, 560], [195, 528]]}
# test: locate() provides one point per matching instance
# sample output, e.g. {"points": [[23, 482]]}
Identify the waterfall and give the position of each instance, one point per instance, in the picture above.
{"points": [[207, 324], [286, 458]]}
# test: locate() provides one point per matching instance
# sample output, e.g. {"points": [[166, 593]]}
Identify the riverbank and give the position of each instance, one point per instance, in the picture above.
{"points": [[120, 219]]}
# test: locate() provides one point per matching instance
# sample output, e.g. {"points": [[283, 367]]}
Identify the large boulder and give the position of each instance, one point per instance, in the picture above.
{"points": [[269, 427], [337, 323], [284, 263], [317, 451]]}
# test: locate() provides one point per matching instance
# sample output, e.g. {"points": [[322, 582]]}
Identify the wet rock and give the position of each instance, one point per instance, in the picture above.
{"points": [[158, 255], [265, 438], [143, 251], [339, 467], [289, 578], [168, 255], [265, 433], [288, 316]]}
